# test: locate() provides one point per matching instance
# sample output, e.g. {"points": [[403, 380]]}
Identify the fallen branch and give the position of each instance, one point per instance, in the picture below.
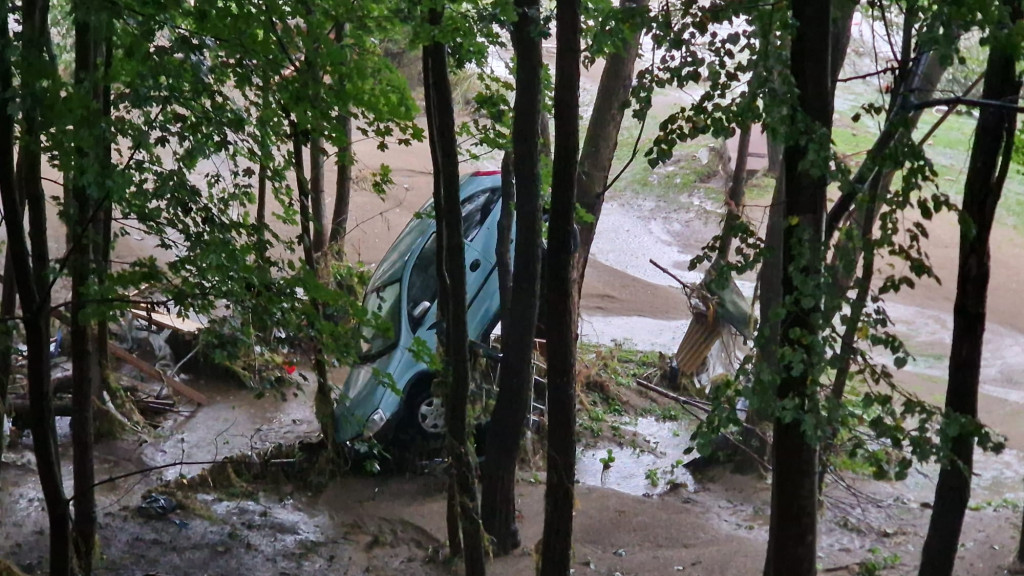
{"points": [[705, 406], [152, 372], [669, 272], [689, 403]]}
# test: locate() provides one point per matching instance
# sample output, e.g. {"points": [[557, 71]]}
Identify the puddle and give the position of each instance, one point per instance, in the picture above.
{"points": [[651, 468]]}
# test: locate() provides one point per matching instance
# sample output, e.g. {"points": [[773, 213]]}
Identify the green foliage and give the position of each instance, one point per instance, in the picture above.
{"points": [[739, 75], [878, 563]]}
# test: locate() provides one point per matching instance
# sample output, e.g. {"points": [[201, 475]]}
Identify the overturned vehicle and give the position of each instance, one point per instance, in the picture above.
{"points": [[389, 391]]}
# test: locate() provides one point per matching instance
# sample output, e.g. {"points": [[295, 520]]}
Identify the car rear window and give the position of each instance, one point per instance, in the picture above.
{"points": [[476, 208]]}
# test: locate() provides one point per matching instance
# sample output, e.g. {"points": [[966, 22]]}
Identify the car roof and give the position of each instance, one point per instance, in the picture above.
{"points": [[390, 267]]}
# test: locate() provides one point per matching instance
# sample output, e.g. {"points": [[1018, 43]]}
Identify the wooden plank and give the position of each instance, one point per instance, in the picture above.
{"points": [[176, 323], [149, 370]]}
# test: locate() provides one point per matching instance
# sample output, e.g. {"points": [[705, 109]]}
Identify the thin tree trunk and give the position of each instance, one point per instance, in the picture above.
{"points": [[735, 196], [847, 347], [922, 78], [32, 268], [342, 190], [1020, 547], [8, 187], [986, 174], [343, 160], [598, 151], [452, 275], [545, 136], [85, 228], [505, 433], [503, 251], [839, 44], [302, 183], [793, 528], [317, 201], [842, 21], [559, 495]]}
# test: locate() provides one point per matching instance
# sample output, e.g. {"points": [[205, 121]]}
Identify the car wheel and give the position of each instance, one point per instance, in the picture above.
{"points": [[430, 414]]}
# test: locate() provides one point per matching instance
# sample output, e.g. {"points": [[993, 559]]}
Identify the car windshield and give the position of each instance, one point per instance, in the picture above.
{"points": [[380, 332]]}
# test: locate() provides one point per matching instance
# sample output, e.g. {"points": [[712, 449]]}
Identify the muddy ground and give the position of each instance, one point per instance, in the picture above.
{"points": [[711, 525]]}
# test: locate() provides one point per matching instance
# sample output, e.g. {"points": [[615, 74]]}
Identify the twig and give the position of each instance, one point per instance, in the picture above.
{"points": [[705, 406], [669, 272], [117, 477], [688, 403], [960, 100]]}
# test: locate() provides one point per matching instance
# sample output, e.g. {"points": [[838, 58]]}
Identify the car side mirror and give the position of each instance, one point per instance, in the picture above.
{"points": [[420, 310]]}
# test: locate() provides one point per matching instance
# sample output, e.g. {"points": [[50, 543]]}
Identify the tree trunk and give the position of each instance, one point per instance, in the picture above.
{"points": [[1020, 548], [452, 276], [32, 269], [302, 185], [8, 187], [839, 45], [921, 80], [735, 196], [85, 224], [503, 251], [793, 529], [602, 137], [342, 190], [505, 433], [559, 495], [839, 40], [986, 174], [847, 346], [317, 201]]}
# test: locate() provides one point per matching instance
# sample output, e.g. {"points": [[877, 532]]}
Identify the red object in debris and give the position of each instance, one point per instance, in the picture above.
{"points": [[290, 369], [486, 173]]}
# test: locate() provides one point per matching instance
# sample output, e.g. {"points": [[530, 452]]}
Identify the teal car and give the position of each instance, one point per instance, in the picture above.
{"points": [[403, 291]]}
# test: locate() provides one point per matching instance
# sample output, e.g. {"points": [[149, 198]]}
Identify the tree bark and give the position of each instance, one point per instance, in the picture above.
{"points": [[8, 186], [563, 304], [318, 206], [921, 80], [32, 269], [735, 197], [503, 251], [839, 45], [86, 225], [1020, 548], [986, 174], [839, 39], [342, 190], [793, 528], [505, 433], [302, 185], [598, 151], [452, 277]]}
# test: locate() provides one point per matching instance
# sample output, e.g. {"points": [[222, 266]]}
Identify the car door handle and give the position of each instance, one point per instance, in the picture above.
{"points": [[474, 265]]}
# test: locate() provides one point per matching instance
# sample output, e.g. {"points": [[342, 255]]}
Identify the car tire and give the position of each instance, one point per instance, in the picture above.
{"points": [[428, 414]]}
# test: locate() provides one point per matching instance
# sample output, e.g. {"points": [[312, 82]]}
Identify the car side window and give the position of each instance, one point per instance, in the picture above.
{"points": [[422, 281], [476, 209]]}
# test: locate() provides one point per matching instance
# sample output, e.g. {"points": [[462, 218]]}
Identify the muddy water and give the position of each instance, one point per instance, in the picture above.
{"points": [[650, 467], [631, 232], [235, 421]]}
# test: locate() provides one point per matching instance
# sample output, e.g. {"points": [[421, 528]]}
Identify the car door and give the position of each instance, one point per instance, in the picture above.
{"points": [[479, 231]]}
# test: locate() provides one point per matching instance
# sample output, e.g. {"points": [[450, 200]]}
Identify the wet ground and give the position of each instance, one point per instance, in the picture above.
{"points": [[640, 513]]}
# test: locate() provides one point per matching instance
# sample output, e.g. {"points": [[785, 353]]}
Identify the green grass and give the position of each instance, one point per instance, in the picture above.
{"points": [[949, 150], [681, 175]]}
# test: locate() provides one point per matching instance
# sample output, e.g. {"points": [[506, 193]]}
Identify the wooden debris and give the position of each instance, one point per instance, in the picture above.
{"points": [[152, 372], [168, 321]]}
